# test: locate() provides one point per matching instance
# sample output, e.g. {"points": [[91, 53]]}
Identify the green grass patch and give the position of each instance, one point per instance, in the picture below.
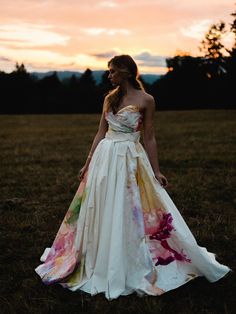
{"points": [[40, 159]]}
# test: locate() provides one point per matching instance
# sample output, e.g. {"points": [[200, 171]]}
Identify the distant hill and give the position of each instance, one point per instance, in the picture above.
{"points": [[150, 78], [62, 75]]}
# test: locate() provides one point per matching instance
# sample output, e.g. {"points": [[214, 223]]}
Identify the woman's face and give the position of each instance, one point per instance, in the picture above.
{"points": [[114, 75]]}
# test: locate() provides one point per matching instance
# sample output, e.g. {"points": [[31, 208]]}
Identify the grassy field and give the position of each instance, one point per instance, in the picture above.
{"points": [[40, 159]]}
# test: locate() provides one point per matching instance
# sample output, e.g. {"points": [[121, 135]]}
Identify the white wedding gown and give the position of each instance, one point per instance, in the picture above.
{"points": [[122, 232]]}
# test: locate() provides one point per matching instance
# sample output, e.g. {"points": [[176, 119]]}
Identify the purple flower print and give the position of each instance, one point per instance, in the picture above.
{"points": [[164, 261], [176, 256], [162, 233]]}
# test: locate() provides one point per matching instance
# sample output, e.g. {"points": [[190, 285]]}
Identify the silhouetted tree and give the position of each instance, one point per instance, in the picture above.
{"points": [[87, 81], [231, 66], [20, 68], [233, 30], [104, 86], [213, 49], [73, 82], [72, 93], [211, 45], [19, 90], [182, 86], [105, 83], [88, 93], [50, 93]]}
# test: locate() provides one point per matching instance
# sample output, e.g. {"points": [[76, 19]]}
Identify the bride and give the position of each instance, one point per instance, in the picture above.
{"points": [[122, 232]]}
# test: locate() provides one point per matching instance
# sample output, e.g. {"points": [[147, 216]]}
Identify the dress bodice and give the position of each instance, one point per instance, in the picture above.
{"points": [[128, 119]]}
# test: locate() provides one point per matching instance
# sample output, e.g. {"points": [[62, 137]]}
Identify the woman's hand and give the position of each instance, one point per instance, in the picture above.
{"points": [[82, 172], [162, 179]]}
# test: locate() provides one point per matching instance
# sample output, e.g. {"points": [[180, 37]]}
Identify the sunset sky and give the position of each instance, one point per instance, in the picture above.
{"points": [[75, 35]]}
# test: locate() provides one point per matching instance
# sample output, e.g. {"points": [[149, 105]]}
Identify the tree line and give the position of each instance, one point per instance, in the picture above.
{"points": [[190, 83]]}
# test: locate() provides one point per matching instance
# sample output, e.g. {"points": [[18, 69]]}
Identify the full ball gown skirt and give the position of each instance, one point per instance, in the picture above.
{"points": [[122, 232]]}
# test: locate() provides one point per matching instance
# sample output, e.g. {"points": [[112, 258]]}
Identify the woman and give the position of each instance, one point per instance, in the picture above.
{"points": [[122, 233]]}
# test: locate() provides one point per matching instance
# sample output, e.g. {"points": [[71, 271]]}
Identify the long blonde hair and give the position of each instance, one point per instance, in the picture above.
{"points": [[124, 64]]}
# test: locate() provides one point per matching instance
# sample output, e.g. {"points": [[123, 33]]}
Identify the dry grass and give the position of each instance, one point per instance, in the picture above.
{"points": [[40, 158]]}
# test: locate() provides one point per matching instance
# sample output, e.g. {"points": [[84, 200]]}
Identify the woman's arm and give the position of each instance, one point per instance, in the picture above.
{"points": [[149, 140], [103, 126]]}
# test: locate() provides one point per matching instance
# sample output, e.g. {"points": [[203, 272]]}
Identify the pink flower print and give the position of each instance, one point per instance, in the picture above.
{"points": [[152, 220], [163, 231]]}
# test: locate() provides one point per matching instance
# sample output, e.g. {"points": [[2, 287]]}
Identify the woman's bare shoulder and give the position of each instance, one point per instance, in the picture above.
{"points": [[147, 100]]}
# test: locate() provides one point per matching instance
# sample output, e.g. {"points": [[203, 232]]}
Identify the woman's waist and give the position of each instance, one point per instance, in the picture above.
{"points": [[122, 136]]}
